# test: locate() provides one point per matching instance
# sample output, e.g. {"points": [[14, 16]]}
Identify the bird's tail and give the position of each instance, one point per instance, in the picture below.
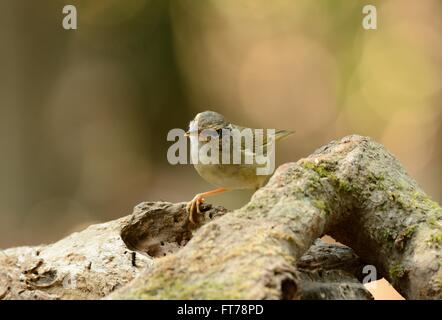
{"points": [[281, 134]]}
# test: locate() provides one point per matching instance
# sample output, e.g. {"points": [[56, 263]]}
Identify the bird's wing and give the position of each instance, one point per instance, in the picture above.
{"points": [[263, 141]]}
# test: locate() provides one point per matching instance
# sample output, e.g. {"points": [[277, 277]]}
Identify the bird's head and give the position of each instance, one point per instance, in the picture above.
{"points": [[207, 120]]}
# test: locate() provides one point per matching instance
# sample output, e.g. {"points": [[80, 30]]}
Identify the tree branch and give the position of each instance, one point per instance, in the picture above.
{"points": [[93, 263], [352, 189]]}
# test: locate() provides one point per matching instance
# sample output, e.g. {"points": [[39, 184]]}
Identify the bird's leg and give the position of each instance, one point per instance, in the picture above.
{"points": [[194, 204]]}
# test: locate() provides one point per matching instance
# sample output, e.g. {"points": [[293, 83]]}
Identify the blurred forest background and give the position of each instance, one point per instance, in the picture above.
{"points": [[84, 113]]}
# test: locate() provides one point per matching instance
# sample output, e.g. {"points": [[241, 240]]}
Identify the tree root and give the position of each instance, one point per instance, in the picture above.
{"points": [[352, 189]]}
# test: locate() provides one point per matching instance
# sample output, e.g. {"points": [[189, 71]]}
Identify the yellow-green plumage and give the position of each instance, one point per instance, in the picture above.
{"points": [[232, 176]]}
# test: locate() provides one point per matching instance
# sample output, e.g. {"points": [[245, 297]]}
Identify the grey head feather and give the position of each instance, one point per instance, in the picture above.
{"points": [[210, 119]]}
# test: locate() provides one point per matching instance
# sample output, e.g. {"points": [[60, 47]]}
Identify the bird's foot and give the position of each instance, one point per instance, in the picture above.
{"points": [[193, 207]]}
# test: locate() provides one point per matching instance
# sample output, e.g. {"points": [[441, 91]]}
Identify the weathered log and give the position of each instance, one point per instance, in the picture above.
{"points": [[353, 189], [92, 263], [331, 272]]}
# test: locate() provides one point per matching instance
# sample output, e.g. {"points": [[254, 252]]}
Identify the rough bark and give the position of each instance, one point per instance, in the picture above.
{"points": [[92, 263], [330, 272], [352, 189]]}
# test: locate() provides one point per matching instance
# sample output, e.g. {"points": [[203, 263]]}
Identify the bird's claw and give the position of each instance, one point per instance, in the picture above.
{"points": [[193, 207]]}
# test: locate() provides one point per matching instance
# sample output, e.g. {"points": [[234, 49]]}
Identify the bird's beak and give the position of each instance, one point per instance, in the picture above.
{"points": [[190, 132]]}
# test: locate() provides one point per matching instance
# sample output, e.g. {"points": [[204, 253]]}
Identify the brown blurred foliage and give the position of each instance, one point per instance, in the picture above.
{"points": [[84, 113]]}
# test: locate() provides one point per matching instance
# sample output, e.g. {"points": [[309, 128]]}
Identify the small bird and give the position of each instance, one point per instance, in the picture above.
{"points": [[226, 176]]}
